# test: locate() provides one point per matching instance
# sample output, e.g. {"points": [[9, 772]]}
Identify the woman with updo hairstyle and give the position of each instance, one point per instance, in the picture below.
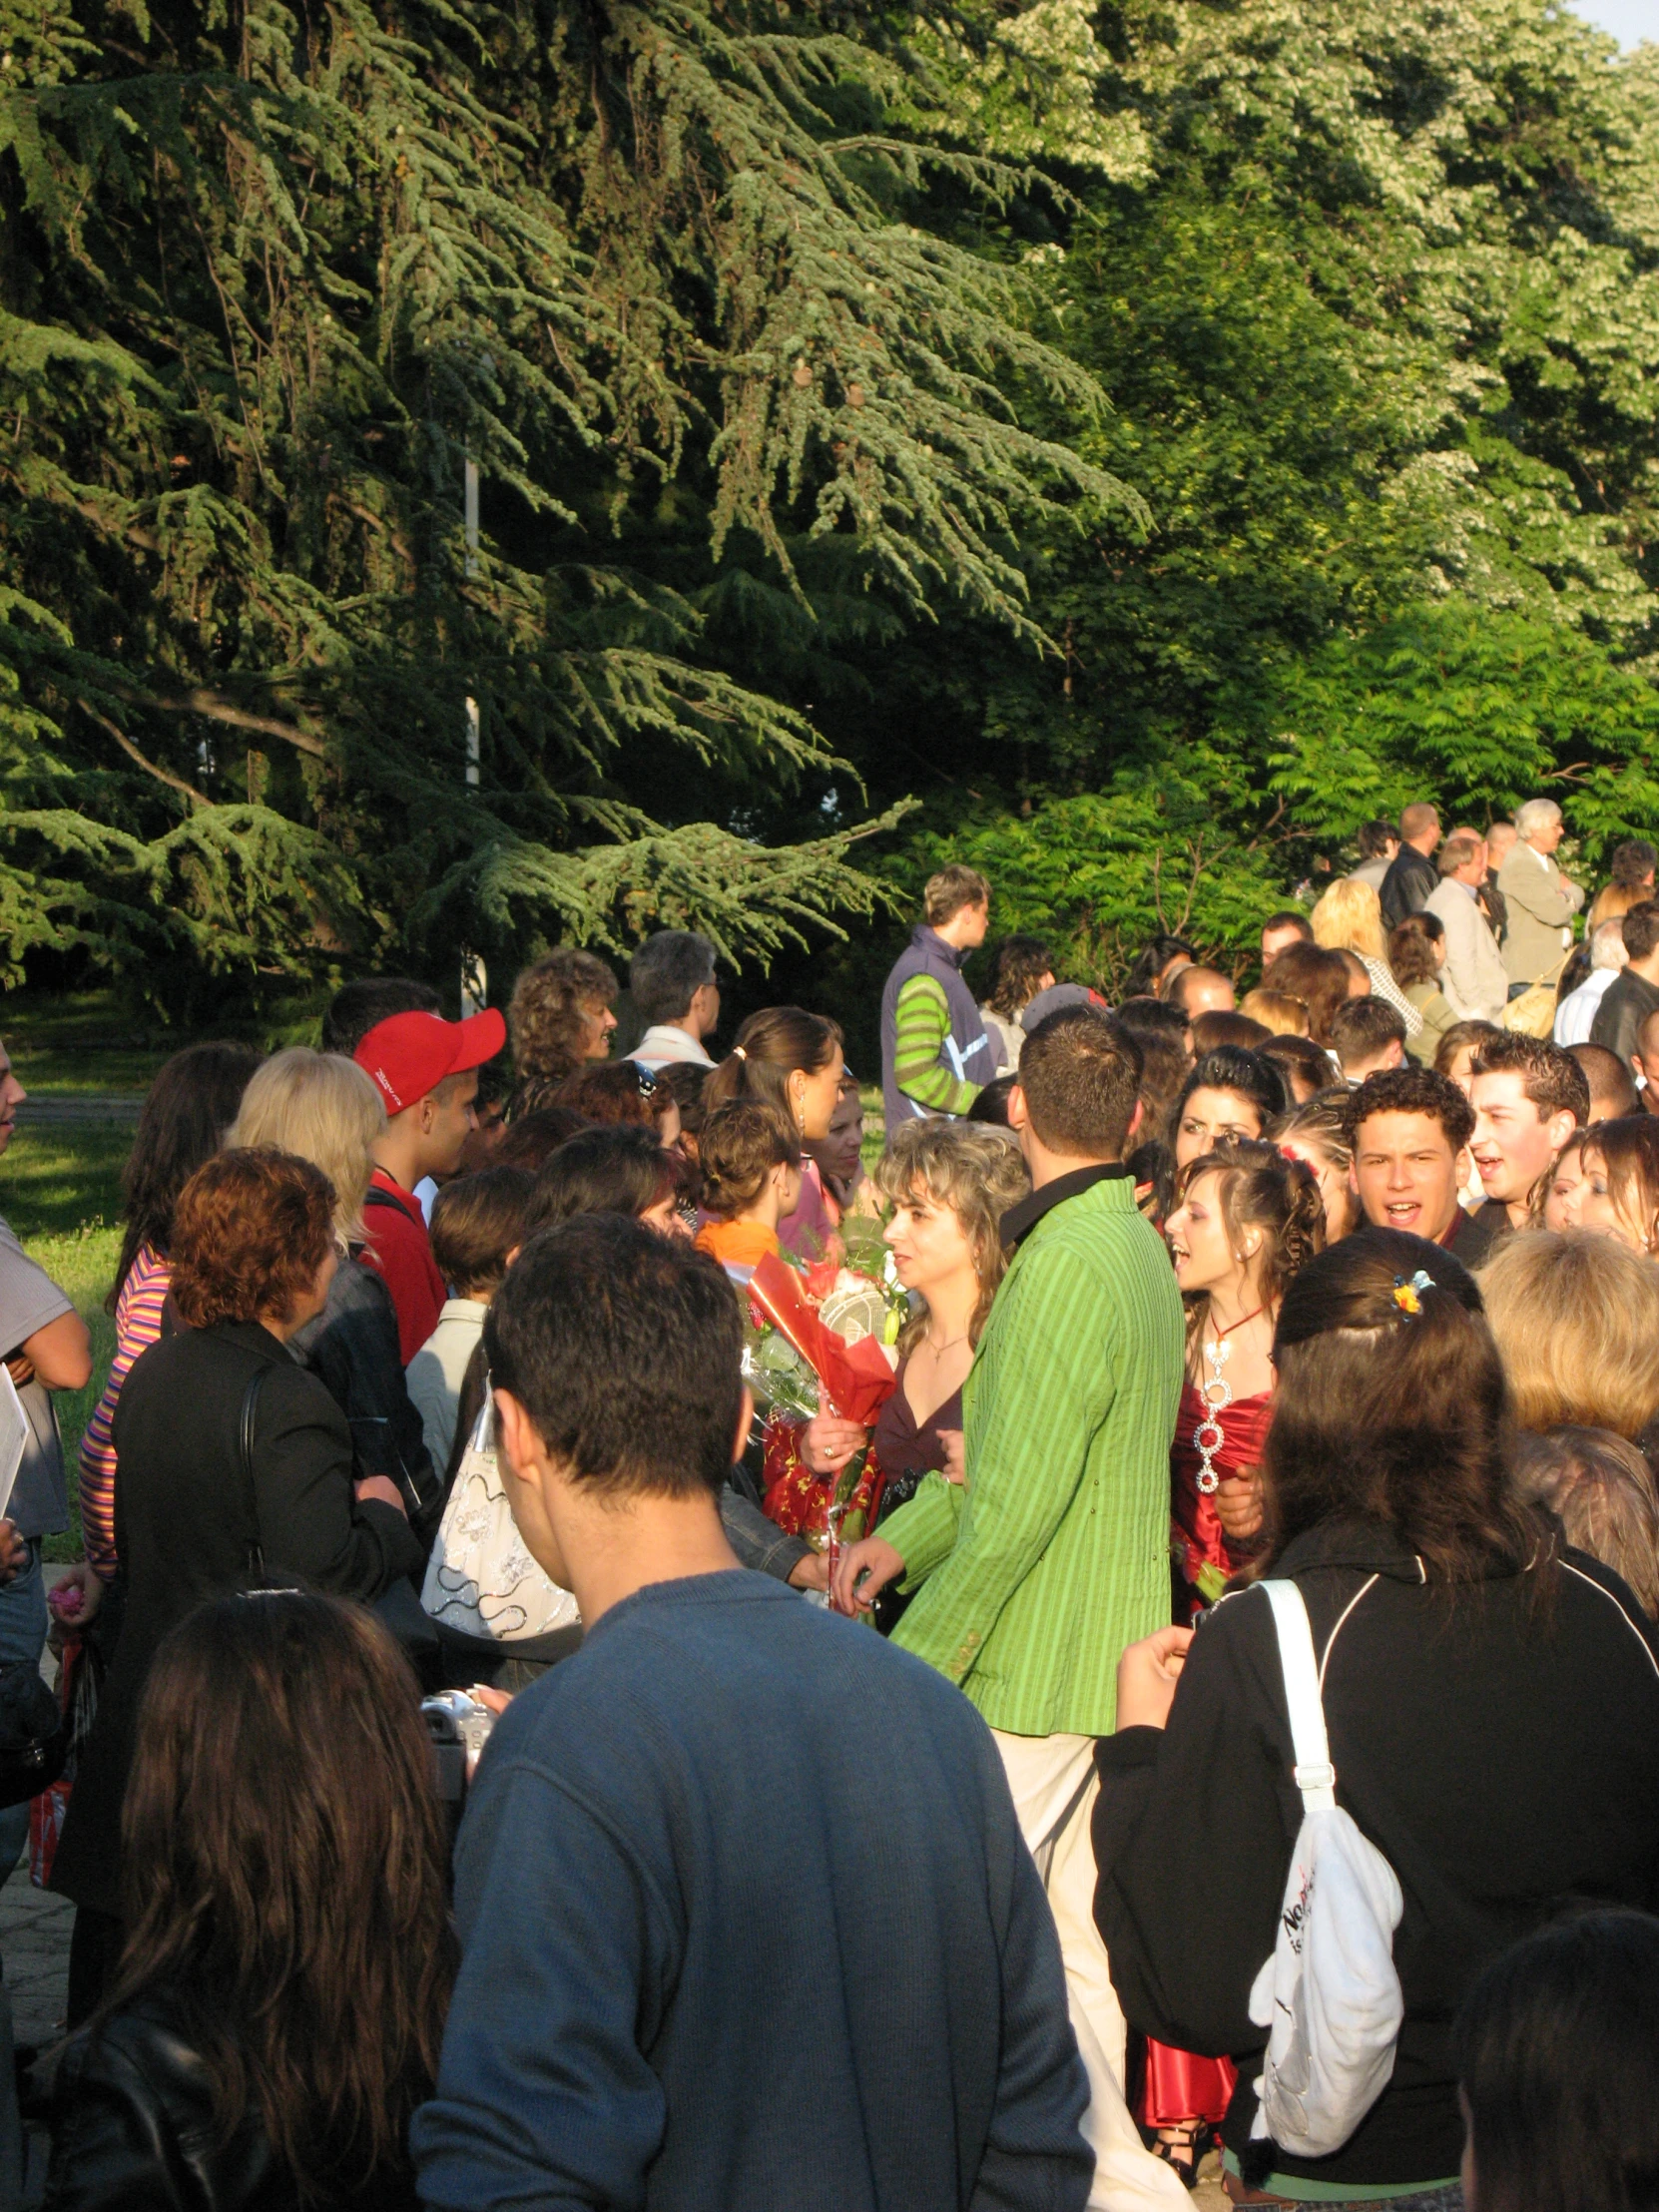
{"points": [[237, 1470], [1456, 1640], [1316, 1132], [1231, 1094], [783, 1057], [559, 1018], [1248, 1220], [1417, 955]]}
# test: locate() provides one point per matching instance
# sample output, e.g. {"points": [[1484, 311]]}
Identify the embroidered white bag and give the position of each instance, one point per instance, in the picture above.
{"points": [[1328, 1994], [481, 1579]]}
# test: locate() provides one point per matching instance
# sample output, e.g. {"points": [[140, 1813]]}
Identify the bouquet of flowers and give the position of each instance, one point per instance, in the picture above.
{"points": [[821, 1341]]}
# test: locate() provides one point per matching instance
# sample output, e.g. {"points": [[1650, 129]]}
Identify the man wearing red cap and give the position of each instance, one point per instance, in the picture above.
{"points": [[426, 1071]]}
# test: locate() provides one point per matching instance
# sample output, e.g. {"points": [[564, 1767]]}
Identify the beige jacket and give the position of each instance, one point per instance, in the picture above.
{"points": [[1541, 905]]}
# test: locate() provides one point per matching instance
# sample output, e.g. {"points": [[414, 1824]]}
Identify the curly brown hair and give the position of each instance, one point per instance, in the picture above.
{"points": [[552, 1003], [251, 1230]]}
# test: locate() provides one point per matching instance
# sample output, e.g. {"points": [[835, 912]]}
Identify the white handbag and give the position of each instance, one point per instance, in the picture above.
{"points": [[481, 1579], [1329, 1992]]}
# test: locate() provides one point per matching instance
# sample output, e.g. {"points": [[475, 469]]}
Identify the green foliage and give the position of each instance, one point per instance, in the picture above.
{"points": [[267, 277]]}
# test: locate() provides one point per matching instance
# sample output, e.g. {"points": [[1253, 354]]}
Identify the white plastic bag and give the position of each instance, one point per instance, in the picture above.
{"points": [[1329, 1992], [481, 1579]]}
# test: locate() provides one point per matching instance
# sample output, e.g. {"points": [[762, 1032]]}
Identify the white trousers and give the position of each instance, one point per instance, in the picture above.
{"points": [[1054, 1785]]}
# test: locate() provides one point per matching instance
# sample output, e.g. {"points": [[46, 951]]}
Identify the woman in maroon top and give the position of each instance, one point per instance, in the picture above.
{"points": [[1248, 1217]]}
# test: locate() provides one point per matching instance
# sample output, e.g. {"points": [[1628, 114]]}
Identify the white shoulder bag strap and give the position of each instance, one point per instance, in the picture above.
{"points": [[1314, 1775]]}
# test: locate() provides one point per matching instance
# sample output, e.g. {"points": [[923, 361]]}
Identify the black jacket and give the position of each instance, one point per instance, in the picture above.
{"points": [[1500, 1755], [133, 2131], [182, 1530], [1625, 1004], [1408, 887], [352, 1346]]}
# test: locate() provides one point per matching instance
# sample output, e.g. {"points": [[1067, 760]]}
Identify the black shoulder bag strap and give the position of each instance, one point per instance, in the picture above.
{"points": [[256, 1579]]}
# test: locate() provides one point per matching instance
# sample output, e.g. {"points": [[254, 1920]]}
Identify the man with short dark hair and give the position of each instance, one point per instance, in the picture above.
{"points": [[728, 1862], [1411, 877], [670, 980], [1378, 845], [356, 1008], [1633, 993], [936, 1057], [1613, 1088], [1200, 990], [1528, 1098], [1367, 1035], [1034, 1575], [1409, 1132], [1282, 931]]}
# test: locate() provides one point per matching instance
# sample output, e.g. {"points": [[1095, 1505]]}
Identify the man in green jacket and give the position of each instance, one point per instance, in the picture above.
{"points": [[1034, 1575]]}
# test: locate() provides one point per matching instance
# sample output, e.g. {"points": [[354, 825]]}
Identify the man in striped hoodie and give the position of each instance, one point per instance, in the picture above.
{"points": [[936, 1057]]}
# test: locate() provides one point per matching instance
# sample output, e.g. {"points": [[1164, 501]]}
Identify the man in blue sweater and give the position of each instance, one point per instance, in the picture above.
{"points": [[748, 1920]]}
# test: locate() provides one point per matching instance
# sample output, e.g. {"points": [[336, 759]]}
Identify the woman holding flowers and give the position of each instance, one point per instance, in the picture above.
{"points": [[949, 1183]]}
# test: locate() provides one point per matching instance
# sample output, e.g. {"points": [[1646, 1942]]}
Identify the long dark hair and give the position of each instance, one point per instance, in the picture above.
{"points": [[186, 1113], [1392, 1406], [1558, 2058], [1259, 1188], [284, 1868]]}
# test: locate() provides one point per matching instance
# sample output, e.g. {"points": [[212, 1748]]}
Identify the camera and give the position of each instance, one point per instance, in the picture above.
{"points": [[459, 1727]]}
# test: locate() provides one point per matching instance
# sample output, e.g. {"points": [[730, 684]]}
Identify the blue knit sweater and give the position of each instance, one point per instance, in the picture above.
{"points": [[747, 1923]]}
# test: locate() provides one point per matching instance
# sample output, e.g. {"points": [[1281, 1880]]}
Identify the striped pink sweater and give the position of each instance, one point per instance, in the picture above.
{"points": [[138, 1324]]}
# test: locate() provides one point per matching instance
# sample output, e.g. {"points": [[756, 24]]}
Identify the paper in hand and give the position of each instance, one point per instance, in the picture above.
{"points": [[13, 1436]]}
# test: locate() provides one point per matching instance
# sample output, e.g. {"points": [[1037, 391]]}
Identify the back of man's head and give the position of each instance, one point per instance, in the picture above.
{"points": [[1200, 990], [1363, 1030], [1418, 820], [950, 891], [1080, 1072], [1612, 1086], [1375, 840], [1608, 945], [624, 1348], [358, 1008], [1641, 931], [668, 971]]}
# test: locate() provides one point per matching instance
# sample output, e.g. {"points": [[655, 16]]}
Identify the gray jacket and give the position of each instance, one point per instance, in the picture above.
{"points": [[1542, 904], [1474, 978]]}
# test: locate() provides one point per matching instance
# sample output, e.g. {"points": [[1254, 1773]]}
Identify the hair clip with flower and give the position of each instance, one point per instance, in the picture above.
{"points": [[1408, 1295]]}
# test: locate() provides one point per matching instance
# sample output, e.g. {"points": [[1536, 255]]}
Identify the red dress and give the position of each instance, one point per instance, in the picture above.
{"points": [[1204, 1559], [1181, 2086]]}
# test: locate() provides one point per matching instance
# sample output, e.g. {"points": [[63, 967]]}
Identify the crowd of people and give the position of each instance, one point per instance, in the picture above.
{"points": [[881, 1573]]}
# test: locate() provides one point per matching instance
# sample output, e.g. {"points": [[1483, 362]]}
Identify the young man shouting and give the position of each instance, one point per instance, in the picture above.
{"points": [[1528, 1098], [1409, 1129], [746, 1920]]}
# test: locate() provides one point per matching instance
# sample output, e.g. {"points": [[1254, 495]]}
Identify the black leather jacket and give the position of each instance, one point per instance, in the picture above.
{"points": [[352, 1346], [133, 2131]]}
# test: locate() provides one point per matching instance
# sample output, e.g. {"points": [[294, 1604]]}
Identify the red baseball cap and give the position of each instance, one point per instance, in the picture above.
{"points": [[411, 1054]]}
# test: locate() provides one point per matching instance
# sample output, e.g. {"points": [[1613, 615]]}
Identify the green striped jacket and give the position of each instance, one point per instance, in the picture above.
{"points": [[1054, 1555]]}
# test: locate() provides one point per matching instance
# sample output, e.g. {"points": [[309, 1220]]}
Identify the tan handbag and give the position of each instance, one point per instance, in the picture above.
{"points": [[1533, 1013]]}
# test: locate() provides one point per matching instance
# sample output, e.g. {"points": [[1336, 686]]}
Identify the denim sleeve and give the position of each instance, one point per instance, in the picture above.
{"points": [[759, 1543]]}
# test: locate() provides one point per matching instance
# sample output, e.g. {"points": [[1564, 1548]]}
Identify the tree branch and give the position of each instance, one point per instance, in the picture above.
{"points": [[161, 776]]}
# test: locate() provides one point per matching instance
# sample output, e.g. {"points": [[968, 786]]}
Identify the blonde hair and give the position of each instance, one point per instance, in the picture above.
{"points": [[978, 1172], [322, 1107], [1349, 918], [1281, 1011], [1600, 1489], [1576, 1318]]}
